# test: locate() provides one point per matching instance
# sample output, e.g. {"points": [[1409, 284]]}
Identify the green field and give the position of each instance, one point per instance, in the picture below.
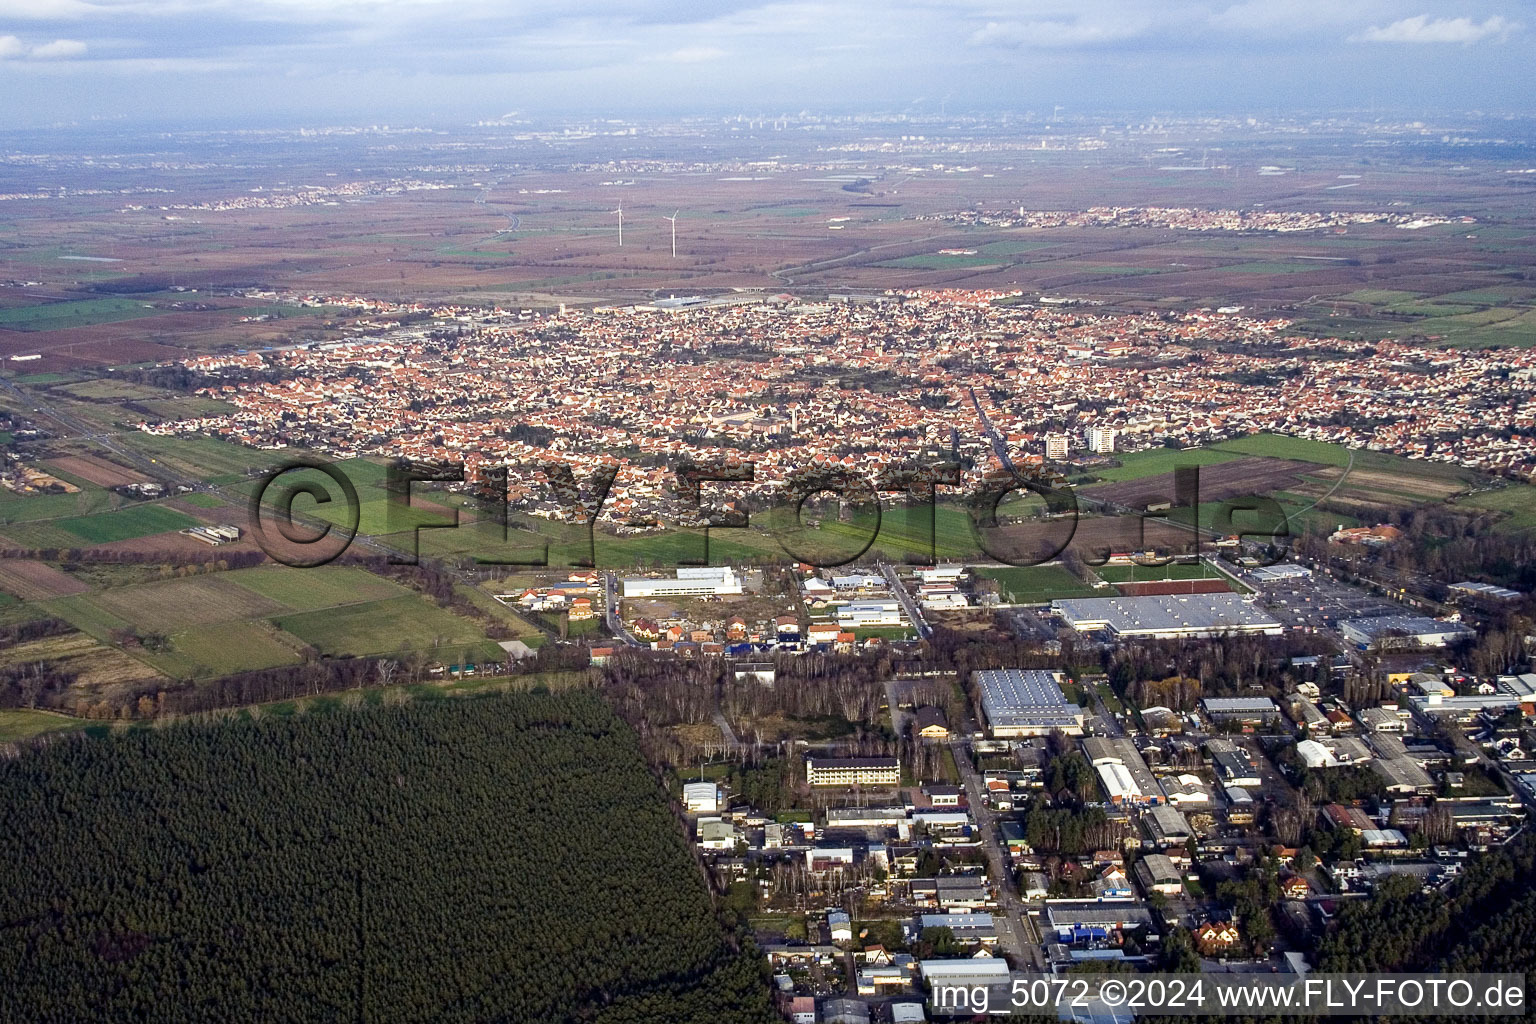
{"points": [[937, 261], [1037, 584], [1009, 248], [200, 499], [1278, 446], [55, 316], [1517, 502], [206, 458], [24, 723], [381, 627], [19, 508], [224, 648], [308, 590], [125, 524], [1157, 461]]}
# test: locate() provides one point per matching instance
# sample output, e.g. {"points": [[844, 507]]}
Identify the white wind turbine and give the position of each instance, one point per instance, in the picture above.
{"points": [[620, 212], [673, 219]]}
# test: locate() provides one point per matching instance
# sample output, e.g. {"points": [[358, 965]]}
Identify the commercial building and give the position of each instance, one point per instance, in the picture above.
{"points": [[1157, 874], [1403, 776], [1383, 632], [1076, 920], [969, 973], [1123, 772], [967, 928], [1485, 590], [696, 581], [1167, 826], [1026, 702], [853, 771], [1247, 710], [701, 797], [1167, 616], [864, 614]]}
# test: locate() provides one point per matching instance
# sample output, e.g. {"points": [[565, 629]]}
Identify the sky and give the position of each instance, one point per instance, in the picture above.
{"points": [[261, 62]]}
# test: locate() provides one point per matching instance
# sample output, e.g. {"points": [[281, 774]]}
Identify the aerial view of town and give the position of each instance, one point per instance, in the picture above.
{"points": [[684, 558]]}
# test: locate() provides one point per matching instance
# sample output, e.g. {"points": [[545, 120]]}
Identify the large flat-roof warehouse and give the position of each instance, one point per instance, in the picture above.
{"points": [[1170, 615], [1384, 631], [1026, 702]]}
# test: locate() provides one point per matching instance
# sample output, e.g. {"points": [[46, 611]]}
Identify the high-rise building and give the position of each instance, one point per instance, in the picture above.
{"points": [[1056, 446], [1101, 439]]}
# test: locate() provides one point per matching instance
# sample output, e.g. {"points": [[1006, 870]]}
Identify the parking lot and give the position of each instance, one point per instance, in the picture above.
{"points": [[1318, 602]]}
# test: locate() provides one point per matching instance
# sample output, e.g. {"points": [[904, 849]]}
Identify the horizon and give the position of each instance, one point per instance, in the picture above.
{"points": [[67, 61]]}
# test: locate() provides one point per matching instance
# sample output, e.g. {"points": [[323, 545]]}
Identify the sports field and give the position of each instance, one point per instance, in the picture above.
{"points": [[1036, 584], [1154, 573]]}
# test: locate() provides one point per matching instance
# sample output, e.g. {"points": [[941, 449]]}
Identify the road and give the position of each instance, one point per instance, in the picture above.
{"points": [[611, 616], [1016, 934], [914, 613], [1112, 724]]}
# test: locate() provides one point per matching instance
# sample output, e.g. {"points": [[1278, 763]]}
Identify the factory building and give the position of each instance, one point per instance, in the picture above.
{"points": [[1026, 702], [1171, 616]]}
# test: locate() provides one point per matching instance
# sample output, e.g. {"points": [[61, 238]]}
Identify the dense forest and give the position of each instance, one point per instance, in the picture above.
{"points": [[506, 857]]}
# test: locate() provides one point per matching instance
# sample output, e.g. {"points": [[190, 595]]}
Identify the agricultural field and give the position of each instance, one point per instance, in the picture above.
{"points": [[26, 508], [31, 580], [382, 627], [183, 603], [307, 590], [1158, 461], [1036, 584], [25, 723], [206, 458], [222, 648], [1517, 503], [56, 316], [140, 520], [228, 622], [95, 666]]}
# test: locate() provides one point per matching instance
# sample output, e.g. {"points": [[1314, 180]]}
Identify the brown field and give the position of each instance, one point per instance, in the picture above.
{"points": [[96, 665], [188, 601], [98, 470], [1237, 479], [1363, 480], [1093, 535], [36, 581]]}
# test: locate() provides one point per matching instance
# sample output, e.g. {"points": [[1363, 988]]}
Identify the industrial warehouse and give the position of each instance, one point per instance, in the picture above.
{"points": [[1166, 616], [1026, 702], [1387, 631], [697, 581]]}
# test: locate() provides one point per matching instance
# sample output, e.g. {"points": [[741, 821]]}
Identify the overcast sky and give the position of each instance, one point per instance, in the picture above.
{"points": [[274, 61]]}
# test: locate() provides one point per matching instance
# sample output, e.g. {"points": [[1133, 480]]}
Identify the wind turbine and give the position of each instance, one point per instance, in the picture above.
{"points": [[673, 219], [620, 212]]}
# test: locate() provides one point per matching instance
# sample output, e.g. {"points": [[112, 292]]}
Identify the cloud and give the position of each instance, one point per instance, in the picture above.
{"points": [[1056, 34], [1423, 29], [692, 55], [12, 48], [59, 49]]}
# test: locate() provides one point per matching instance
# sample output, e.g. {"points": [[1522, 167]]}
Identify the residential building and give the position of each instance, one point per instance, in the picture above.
{"points": [[853, 771]]}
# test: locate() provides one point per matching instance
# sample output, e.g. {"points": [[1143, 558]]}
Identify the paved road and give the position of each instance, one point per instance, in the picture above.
{"points": [[1111, 723], [1015, 932], [914, 613], [611, 616]]}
